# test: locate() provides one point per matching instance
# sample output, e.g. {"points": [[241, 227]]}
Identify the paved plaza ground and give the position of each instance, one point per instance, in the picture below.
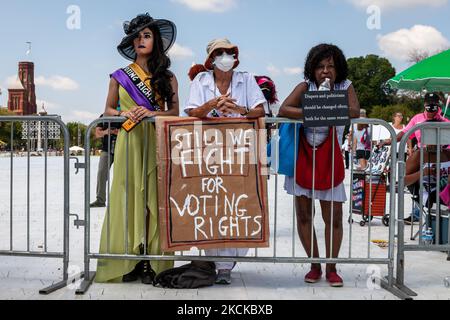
{"points": [[21, 278]]}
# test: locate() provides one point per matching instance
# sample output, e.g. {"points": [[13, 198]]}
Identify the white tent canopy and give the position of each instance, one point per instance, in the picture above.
{"points": [[76, 149], [380, 133]]}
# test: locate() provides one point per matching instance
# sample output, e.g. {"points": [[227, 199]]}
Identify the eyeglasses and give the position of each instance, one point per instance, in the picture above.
{"points": [[399, 115]]}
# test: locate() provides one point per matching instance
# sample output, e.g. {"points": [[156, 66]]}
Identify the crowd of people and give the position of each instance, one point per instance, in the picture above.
{"points": [[218, 91]]}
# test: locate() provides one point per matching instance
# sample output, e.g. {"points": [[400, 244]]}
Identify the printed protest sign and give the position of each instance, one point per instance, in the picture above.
{"points": [[325, 108], [359, 180], [212, 183]]}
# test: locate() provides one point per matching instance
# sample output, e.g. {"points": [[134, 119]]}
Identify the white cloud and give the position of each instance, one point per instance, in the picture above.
{"points": [[3, 97], [289, 71], [274, 71], [10, 81], [401, 43], [178, 52], [293, 71], [56, 82], [83, 116], [391, 4], [216, 6]]}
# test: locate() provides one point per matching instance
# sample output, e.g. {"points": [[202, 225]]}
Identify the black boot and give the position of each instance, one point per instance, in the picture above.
{"points": [[133, 275], [147, 273]]}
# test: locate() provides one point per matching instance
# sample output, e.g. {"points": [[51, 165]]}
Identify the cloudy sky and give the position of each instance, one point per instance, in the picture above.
{"points": [[74, 42]]}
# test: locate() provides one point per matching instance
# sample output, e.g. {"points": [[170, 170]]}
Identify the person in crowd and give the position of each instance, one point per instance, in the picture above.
{"points": [[429, 173], [362, 142], [432, 113], [398, 126], [346, 148], [269, 90], [219, 92], [397, 122], [144, 89], [325, 63], [108, 134]]}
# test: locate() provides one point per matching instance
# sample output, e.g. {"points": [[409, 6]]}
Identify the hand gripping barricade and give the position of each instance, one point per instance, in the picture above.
{"points": [[434, 228], [283, 237], [31, 227]]}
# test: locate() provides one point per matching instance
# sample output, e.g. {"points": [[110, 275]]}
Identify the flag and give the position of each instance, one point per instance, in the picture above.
{"points": [[29, 48]]}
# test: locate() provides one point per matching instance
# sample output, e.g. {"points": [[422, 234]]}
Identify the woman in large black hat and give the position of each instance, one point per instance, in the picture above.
{"points": [[144, 89]]}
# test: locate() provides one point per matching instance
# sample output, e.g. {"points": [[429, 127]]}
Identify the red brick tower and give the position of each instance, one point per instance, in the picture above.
{"points": [[26, 75], [22, 94]]}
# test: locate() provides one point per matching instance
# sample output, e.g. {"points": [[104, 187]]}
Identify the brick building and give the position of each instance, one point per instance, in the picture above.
{"points": [[22, 94]]}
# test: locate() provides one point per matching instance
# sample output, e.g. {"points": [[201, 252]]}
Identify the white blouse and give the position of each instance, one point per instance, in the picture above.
{"points": [[243, 88]]}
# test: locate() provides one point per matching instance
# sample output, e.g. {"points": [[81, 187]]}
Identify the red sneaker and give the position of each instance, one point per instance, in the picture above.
{"points": [[313, 276], [334, 279]]}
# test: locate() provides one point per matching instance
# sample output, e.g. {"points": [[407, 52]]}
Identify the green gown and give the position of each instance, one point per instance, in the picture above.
{"points": [[112, 270]]}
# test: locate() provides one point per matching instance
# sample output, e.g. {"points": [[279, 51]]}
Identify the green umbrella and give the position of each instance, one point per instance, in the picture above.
{"points": [[432, 74]]}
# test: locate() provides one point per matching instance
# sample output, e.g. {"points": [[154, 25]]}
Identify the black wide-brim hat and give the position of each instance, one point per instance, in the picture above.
{"points": [[167, 29]]}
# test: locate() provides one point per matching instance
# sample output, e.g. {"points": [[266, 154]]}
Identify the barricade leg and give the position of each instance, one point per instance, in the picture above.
{"points": [[88, 276], [86, 283]]}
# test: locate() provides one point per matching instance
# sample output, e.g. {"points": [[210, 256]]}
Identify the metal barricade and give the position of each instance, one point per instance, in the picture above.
{"points": [[35, 129], [281, 223], [432, 134]]}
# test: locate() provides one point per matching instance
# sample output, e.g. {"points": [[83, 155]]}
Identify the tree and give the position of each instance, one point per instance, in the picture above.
{"points": [[5, 131], [77, 133], [74, 134], [417, 55], [369, 74], [386, 112], [414, 103]]}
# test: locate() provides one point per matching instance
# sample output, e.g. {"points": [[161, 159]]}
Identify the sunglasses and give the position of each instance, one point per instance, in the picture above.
{"points": [[220, 52], [431, 107]]}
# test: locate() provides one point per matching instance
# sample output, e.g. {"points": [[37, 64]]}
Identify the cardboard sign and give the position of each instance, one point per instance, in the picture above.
{"points": [[325, 108], [211, 189]]}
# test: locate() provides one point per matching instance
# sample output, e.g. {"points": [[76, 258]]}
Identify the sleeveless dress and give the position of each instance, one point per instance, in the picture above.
{"points": [[112, 270], [290, 184]]}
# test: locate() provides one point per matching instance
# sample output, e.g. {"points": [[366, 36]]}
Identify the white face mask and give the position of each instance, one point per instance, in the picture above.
{"points": [[225, 62]]}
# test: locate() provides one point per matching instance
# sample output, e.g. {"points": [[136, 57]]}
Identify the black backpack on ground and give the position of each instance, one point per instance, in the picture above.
{"points": [[197, 274]]}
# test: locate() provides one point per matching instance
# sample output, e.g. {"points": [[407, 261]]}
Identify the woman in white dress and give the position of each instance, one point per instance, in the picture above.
{"points": [[323, 62], [223, 92]]}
